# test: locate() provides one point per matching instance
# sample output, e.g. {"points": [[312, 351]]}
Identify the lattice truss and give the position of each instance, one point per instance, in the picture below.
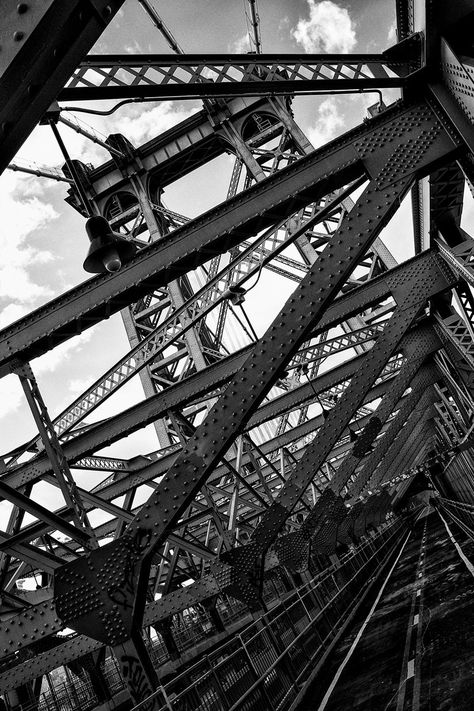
{"points": [[262, 441]]}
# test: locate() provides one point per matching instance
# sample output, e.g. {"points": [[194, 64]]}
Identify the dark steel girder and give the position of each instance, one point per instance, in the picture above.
{"points": [[216, 375], [217, 231], [104, 435], [41, 47], [368, 471], [46, 610], [191, 76]]}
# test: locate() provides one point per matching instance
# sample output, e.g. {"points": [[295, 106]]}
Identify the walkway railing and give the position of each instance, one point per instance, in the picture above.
{"points": [[264, 666], [461, 513]]}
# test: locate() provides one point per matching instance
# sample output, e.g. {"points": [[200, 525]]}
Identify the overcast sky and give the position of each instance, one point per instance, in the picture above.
{"points": [[43, 242]]}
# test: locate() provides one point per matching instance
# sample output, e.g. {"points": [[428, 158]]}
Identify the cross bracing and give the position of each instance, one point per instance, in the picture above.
{"points": [[263, 438]]}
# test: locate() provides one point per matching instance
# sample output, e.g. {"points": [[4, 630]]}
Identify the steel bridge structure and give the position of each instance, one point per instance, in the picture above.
{"points": [[286, 465]]}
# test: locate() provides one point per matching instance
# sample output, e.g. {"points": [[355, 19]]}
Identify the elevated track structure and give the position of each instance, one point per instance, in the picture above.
{"points": [[287, 467]]}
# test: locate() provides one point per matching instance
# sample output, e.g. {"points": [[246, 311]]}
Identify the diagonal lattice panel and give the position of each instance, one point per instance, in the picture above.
{"points": [[165, 76]]}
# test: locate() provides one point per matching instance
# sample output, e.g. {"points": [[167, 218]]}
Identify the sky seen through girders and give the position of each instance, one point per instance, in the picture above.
{"points": [[43, 241]]}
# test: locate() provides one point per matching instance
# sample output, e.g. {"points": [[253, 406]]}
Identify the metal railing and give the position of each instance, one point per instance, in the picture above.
{"points": [[264, 665], [460, 512]]}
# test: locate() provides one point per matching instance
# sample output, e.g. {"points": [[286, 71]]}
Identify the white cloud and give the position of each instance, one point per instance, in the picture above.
{"points": [[22, 213], [327, 123], [392, 34], [241, 45], [51, 360], [134, 48], [11, 392], [12, 312], [79, 385], [26, 207], [328, 29], [140, 125], [11, 395]]}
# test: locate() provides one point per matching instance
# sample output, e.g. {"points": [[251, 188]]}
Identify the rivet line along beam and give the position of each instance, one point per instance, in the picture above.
{"points": [[412, 452], [190, 246], [173, 328], [206, 381], [165, 76], [177, 395]]}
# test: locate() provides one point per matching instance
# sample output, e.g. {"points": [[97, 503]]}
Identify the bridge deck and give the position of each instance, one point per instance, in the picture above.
{"points": [[416, 650]]}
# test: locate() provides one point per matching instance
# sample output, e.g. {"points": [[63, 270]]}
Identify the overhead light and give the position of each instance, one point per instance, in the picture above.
{"points": [[236, 294], [108, 250]]}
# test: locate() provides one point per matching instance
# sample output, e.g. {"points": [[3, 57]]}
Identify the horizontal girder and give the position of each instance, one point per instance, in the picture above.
{"points": [[191, 76]]}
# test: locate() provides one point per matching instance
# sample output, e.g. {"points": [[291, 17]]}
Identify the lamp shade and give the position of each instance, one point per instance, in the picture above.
{"points": [[108, 250]]}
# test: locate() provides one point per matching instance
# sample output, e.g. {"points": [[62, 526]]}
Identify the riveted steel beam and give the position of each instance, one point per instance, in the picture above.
{"points": [[214, 376], [203, 383], [453, 329], [183, 318], [416, 447], [32, 555], [107, 493], [461, 256], [359, 299], [42, 44], [225, 226], [42, 513], [337, 419]]}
